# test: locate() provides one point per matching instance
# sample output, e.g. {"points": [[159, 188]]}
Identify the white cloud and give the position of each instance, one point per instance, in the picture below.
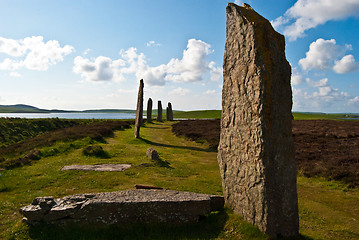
{"points": [[321, 55], [136, 63], [87, 51], [307, 14], [326, 54], [321, 83], [10, 64], [346, 64], [101, 69], [34, 52], [15, 74], [152, 44], [323, 98], [296, 79], [354, 101], [216, 72], [210, 92], [179, 92], [12, 47], [192, 67], [193, 64]]}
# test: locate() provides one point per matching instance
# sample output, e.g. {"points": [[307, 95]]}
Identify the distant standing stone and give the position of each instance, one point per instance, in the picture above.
{"points": [[159, 112], [149, 110], [170, 112], [139, 110], [167, 114], [256, 152]]}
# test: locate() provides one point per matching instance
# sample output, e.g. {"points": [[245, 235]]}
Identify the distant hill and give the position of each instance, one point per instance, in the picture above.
{"points": [[22, 108]]}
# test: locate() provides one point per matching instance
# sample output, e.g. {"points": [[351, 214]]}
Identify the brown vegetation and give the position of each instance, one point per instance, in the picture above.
{"points": [[96, 131], [324, 148]]}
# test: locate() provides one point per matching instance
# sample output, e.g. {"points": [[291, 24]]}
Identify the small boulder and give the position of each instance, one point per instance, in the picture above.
{"points": [[152, 154]]}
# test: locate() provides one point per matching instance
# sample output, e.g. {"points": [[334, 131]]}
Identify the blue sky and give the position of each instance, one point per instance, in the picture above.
{"points": [[91, 54]]}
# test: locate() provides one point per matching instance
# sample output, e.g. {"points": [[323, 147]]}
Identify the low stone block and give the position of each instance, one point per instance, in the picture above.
{"points": [[141, 205]]}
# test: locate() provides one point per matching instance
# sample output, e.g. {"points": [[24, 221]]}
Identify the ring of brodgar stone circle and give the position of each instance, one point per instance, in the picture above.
{"points": [[256, 151]]}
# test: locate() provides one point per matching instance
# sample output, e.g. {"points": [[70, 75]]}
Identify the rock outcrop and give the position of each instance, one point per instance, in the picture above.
{"points": [[139, 110], [149, 110], [132, 206], [159, 111], [256, 152]]}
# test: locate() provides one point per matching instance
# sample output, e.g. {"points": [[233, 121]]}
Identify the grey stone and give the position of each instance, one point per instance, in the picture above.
{"points": [[107, 167], [149, 110], [139, 110], [159, 112], [140, 205], [152, 154], [256, 152], [169, 112]]}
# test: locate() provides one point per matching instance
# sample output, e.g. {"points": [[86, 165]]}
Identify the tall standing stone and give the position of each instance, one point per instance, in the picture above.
{"points": [[256, 152], [139, 110], [170, 112], [149, 110], [159, 112], [167, 114]]}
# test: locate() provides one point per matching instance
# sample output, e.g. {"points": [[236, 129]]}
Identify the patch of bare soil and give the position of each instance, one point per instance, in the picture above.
{"points": [[322, 147]]}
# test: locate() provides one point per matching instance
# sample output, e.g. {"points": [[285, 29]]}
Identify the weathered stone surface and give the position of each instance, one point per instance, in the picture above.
{"points": [[149, 110], [141, 205], [139, 110], [106, 167], [169, 112], [159, 112], [256, 153], [152, 154]]}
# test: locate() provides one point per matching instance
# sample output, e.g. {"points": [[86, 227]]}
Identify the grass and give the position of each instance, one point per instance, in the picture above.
{"points": [[22, 153], [212, 114], [326, 210], [321, 116], [197, 114]]}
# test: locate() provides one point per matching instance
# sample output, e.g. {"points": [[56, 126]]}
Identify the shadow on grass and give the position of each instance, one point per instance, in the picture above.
{"points": [[208, 228], [299, 237], [174, 146], [162, 163], [156, 127]]}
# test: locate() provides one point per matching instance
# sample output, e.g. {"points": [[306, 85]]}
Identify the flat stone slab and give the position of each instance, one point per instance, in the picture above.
{"points": [[140, 205], [98, 167]]}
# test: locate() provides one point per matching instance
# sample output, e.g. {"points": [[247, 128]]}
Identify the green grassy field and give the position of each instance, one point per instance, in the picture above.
{"points": [[297, 115], [198, 114], [327, 210]]}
